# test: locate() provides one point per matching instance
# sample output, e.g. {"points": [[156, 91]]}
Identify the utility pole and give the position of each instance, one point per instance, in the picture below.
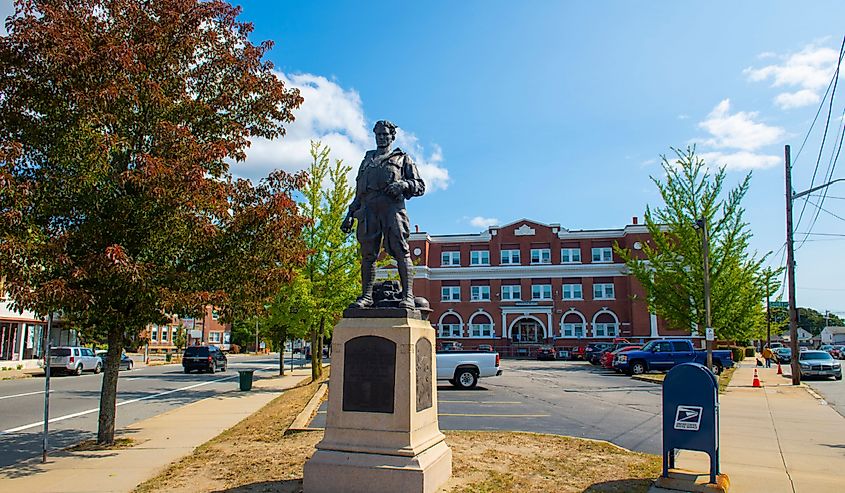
{"points": [[790, 271], [768, 310], [256, 336], [705, 252], [44, 443]]}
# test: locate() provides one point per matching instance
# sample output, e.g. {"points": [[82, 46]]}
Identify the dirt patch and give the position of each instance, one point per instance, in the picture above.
{"points": [[257, 456], [91, 445]]}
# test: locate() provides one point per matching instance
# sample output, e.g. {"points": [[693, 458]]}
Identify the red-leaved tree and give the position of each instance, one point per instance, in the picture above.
{"points": [[118, 122]]}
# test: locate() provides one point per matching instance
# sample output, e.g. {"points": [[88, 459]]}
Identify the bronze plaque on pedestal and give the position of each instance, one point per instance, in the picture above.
{"points": [[369, 374], [423, 352]]}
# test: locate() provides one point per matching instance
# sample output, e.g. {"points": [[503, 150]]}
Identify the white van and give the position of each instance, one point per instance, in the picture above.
{"points": [[75, 360]]}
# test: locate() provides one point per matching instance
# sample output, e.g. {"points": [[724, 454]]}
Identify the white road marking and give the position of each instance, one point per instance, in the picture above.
{"points": [[21, 395], [97, 409]]}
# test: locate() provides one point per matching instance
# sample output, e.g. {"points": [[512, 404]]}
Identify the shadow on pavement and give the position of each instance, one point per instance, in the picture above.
{"points": [[286, 486], [620, 486]]}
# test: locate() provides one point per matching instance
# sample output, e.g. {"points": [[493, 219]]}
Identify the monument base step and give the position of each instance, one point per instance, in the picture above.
{"points": [[331, 471]]}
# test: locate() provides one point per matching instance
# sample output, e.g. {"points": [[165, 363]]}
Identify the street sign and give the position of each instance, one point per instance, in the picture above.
{"points": [[779, 304], [709, 334]]}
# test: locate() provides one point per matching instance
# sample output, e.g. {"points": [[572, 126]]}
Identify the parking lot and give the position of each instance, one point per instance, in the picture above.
{"points": [[561, 397]]}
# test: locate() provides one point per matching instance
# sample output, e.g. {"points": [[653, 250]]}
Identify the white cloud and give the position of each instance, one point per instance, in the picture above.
{"points": [[334, 116], [797, 99], [808, 70], [738, 130], [740, 160], [483, 222]]}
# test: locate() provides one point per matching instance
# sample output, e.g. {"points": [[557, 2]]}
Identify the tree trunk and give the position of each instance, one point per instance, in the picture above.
{"points": [[108, 394], [282, 338], [315, 368]]}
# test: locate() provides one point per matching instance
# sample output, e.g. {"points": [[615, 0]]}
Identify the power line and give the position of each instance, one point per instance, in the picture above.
{"points": [[834, 83], [823, 209], [822, 234]]}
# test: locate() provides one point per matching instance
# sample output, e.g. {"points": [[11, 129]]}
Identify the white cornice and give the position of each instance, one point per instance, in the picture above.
{"points": [[563, 234], [518, 271]]}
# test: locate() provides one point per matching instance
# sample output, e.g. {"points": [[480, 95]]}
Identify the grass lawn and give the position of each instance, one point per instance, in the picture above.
{"points": [[257, 455]]}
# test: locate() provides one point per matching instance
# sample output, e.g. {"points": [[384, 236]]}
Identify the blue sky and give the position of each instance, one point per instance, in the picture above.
{"points": [[559, 111]]}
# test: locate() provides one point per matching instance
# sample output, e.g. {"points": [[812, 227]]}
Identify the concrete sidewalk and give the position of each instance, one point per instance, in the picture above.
{"points": [[775, 439], [159, 441]]}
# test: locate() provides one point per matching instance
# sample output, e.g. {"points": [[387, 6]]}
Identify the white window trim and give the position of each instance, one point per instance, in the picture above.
{"points": [[563, 292], [480, 299], [517, 286], [451, 289], [154, 334], [541, 298], [484, 264], [614, 323], [601, 256], [211, 337], [451, 255], [510, 256], [491, 324], [603, 291], [570, 261], [540, 251], [460, 325]]}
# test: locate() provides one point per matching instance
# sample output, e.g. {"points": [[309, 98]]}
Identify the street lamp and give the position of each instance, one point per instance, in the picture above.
{"points": [[701, 224]]}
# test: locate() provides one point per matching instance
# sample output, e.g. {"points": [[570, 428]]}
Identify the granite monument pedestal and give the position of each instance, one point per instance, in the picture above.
{"points": [[382, 433]]}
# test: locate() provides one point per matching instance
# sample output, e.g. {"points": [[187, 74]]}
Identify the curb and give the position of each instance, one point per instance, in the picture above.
{"points": [[304, 417], [646, 379], [815, 394]]}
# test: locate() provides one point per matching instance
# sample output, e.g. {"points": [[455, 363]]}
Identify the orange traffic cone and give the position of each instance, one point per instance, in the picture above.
{"points": [[756, 382], [780, 372]]}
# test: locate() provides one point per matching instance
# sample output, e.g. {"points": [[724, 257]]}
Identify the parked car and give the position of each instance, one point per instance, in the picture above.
{"points": [[819, 364], [578, 352], [608, 357], [484, 347], [204, 358], [546, 352], [564, 353], [74, 359], [599, 356], [783, 355], [125, 361], [591, 352], [664, 354], [463, 368], [838, 352], [775, 345]]}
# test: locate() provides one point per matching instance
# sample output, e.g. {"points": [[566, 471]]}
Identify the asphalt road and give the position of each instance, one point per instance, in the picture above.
{"points": [[74, 402], [832, 390], [560, 397]]}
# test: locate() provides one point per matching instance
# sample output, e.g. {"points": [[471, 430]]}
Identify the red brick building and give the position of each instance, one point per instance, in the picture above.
{"points": [[528, 284], [200, 331]]}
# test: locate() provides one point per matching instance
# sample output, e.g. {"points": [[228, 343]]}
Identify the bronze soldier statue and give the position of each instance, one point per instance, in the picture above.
{"points": [[385, 179]]}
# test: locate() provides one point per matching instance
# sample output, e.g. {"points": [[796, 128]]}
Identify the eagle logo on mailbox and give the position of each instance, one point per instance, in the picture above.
{"points": [[688, 418]]}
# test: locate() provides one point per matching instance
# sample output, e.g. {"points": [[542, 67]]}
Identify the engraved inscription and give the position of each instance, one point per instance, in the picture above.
{"points": [[423, 351], [369, 374]]}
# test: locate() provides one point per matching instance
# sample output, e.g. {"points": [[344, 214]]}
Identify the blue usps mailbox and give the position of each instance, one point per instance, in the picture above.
{"points": [[691, 414]]}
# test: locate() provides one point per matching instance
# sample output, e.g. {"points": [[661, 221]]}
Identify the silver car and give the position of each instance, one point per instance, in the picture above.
{"points": [[74, 359], [819, 364]]}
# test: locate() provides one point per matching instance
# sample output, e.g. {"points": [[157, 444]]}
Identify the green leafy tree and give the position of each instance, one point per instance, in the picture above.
{"points": [[671, 266], [333, 266], [290, 315], [118, 122], [809, 319], [180, 338]]}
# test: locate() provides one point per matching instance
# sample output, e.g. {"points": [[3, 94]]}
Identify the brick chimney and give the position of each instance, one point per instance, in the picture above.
{"points": [[634, 220]]}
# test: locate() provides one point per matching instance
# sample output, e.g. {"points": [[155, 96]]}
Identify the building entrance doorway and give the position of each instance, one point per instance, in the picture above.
{"points": [[528, 331]]}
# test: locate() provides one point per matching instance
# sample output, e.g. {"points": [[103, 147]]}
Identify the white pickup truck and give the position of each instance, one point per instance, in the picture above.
{"points": [[463, 368]]}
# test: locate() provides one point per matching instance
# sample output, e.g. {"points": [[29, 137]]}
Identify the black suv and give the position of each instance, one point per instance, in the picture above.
{"points": [[204, 358]]}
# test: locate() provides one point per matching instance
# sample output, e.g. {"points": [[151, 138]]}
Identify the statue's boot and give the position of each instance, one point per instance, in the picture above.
{"points": [[406, 277], [368, 275]]}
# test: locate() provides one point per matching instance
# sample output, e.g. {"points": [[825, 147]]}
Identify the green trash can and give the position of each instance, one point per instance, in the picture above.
{"points": [[246, 379], [168, 357]]}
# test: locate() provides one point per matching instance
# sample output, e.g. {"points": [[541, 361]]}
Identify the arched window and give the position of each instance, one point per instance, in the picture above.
{"points": [[481, 325], [572, 324], [450, 325], [605, 324]]}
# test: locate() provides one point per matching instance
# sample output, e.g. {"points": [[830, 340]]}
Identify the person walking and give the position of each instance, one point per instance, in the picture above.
{"points": [[768, 355]]}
